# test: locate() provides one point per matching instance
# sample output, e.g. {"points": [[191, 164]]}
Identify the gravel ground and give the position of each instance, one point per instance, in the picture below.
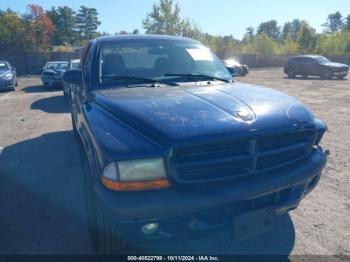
{"points": [[41, 197]]}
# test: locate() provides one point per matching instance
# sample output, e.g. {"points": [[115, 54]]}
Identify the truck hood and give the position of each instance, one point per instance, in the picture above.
{"points": [[184, 113]]}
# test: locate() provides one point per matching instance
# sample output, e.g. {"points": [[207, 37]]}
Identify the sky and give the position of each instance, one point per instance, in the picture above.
{"points": [[218, 17]]}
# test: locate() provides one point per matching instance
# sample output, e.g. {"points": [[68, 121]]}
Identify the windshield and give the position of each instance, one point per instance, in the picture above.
{"points": [[3, 67], [56, 65], [167, 61], [75, 66], [322, 60]]}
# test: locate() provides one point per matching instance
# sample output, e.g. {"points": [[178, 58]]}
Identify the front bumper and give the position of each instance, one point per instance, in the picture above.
{"points": [[6, 84], [52, 82], [186, 213], [340, 73]]}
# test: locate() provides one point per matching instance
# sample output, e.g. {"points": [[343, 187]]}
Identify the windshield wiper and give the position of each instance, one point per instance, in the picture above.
{"points": [[141, 79], [201, 76]]}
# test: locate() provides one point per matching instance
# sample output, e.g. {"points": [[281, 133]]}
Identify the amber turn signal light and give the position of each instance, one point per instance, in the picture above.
{"points": [[135, 185]]}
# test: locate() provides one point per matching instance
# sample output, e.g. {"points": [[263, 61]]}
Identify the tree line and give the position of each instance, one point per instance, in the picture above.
{"points": [[38, 29]]}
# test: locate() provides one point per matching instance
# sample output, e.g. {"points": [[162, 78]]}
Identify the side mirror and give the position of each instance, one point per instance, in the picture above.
{"points": [[73, 77]]}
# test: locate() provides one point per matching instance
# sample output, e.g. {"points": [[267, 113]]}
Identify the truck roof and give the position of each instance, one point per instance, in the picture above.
{"points": [[133, 37], [310, 56]]}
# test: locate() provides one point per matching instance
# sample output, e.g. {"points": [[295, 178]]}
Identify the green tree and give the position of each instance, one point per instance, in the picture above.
{"points": [[12, 31], [87, 22], [334, 23], [270, 28], [165, 19], [306, 38], [289, 45], [334, 44], [249, 34], [265, 45], [347, 23], [291, 28], [64, 20]]}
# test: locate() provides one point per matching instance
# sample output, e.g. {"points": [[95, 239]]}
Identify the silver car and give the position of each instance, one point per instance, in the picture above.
{"points": [[8, 76], [53, 73], [72, 65]]}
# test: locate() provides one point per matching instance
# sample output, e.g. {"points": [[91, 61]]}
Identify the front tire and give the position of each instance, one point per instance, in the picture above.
{"points": [[103, 234], [291, 74], [327, 75]]}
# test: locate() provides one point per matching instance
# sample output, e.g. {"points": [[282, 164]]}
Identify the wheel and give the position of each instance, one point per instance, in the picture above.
{"points": [[103, 234], [305, 76], [291, 74], [327, 75], [16, 84], [340, 77]]}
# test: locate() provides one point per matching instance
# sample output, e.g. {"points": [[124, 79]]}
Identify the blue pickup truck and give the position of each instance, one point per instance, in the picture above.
{"points": [[173, 148]]}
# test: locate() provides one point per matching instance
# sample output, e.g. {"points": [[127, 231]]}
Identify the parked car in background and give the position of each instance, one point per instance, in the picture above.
{"points": [[236, 68], [314, 65], [8, 76], [232, 70], [173, 148], [72, 65], [52, 74]]}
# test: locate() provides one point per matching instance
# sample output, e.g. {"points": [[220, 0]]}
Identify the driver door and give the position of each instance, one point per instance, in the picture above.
{"points": [[78, 95]]}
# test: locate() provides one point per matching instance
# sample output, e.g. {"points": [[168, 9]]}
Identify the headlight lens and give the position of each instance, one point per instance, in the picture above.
{"points": [[7, 76], [142, 174], [321, 129], [145, 169]]}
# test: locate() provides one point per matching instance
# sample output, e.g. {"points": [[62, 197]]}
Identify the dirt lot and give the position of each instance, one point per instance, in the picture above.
{"points": [[42, 203]]}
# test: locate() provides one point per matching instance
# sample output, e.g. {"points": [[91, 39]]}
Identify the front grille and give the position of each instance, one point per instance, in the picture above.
{"points": [[240, 157]]}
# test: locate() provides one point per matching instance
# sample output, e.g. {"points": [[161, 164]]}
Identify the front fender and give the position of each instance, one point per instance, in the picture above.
{"points": [[113, 140]]}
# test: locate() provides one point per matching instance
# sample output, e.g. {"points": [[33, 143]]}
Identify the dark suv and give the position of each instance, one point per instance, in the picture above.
{"points": [[172, 148], [308, 65]]}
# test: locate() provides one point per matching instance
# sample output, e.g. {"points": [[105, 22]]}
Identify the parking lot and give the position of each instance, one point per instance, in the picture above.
{"points": [[42, 203]]}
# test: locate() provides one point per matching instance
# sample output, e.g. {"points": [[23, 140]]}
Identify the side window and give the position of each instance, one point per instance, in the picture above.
{"points": [[298, 60], [312, 61], [308, 60], [302, 60]]}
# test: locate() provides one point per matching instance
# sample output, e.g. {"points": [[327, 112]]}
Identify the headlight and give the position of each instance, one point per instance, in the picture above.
{"points": [[140, 174], [7, 76], [321, 129]]}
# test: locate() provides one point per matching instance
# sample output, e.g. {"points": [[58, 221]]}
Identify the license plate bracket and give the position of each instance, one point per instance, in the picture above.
{"points": [[253, 223]]}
